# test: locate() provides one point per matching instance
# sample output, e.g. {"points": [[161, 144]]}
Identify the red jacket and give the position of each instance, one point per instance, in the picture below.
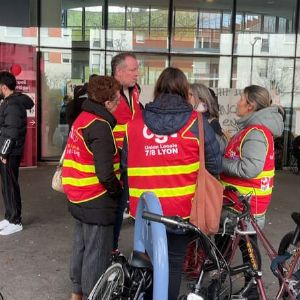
{"points": [[125, 113]]}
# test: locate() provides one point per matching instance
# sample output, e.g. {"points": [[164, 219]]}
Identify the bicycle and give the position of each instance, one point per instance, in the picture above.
{"points": [[285, 264], [134, 278], [124, 279], [288, 254], [148, 263], [214, 275]]}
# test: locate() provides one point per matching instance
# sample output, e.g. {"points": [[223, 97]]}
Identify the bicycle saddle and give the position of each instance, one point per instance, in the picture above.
{"points": [[296, 218], [140, 260]]}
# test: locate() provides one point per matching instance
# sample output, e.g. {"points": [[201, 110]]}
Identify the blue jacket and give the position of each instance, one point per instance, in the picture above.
{"points": [[166, 115]]}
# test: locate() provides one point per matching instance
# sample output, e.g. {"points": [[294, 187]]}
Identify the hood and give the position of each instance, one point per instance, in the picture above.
{"points": [[22, 99], [268, 117], [167, 114]]}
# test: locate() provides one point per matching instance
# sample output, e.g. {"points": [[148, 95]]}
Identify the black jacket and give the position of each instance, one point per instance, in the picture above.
{"points": [[99, 139], [13, 123]]}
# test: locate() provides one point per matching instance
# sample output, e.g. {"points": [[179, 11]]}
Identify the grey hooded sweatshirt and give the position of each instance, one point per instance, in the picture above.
{"points": [[254, 147]]}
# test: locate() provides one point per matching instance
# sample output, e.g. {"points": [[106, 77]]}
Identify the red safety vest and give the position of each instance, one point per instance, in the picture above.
{"points": [[79, 178], [261, 186], [164, 164], [125, 113]]}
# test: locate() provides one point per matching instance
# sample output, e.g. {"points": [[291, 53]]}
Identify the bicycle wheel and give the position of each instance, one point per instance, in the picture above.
{"points": [[209, 272], [110, 285], [287, 248], [242, 265]]}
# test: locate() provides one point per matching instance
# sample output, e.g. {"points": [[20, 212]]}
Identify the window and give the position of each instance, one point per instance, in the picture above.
{"points": [[269, 24], [66, 58], [265, 45]]}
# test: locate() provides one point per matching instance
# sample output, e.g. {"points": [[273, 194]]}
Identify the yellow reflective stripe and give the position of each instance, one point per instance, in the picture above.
{"points": [[170, 170], [165, 192], [245, 190], [119, 128], [80, 167], [80, 181], [116, 166], [263, 174]]}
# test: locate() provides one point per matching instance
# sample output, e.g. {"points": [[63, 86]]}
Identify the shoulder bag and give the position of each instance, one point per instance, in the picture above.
{"points": [[56, 179], [208, 199]]}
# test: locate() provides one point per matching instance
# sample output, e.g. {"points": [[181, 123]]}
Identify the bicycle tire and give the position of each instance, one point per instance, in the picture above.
{"points": [[215, 283], [239, 278], [110, 285], [286, 246]]}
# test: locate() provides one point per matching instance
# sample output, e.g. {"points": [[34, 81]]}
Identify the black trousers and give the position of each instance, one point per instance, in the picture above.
{"points": [[177, 245], [11, 189]]}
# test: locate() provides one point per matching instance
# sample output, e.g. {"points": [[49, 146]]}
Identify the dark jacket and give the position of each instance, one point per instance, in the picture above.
{"points": [[13, 123], [167, 115], [99, 139], [74, 107]]}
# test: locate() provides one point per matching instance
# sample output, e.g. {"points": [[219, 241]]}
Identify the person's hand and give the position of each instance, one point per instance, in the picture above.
{"points": [[227, 134], [3, 160]]}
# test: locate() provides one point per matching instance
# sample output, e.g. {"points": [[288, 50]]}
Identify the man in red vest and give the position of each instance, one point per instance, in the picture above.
{"points": [[125, 69]]}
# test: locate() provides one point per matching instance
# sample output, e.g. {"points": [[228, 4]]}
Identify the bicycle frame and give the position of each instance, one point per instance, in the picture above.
{"points": [[271, 252], [235, 244]]}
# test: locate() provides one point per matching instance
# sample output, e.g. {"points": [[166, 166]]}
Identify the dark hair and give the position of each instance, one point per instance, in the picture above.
{"points": [[119, 59], [172, 81], [257, 95], [8, 79], [102, 88]]}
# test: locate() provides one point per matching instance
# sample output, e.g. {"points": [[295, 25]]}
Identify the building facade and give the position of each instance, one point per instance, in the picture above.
{"points": [[52, 46]]}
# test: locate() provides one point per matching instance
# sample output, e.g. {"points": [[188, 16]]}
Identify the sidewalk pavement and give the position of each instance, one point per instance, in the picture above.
{"points": [[34, 263]]}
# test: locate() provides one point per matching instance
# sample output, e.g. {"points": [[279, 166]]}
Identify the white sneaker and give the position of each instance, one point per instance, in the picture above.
{"points": [[3, 224], [11, 228]]}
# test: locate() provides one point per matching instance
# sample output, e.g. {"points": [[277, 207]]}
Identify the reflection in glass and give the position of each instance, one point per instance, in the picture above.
{"points": [[78, 24], [272, 22], [211, 71], [272, 73], [202, 30], [142, 27], [62, 70]]}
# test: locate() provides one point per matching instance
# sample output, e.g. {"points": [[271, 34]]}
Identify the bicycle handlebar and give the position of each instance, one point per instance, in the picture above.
{"points": [[179, 222]]}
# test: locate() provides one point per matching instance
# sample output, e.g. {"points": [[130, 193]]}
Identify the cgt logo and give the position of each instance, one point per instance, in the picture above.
{"points": [[159, 139]]}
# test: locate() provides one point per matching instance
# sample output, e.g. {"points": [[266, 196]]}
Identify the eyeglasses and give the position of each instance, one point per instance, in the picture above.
{"points": [[115, 98]]}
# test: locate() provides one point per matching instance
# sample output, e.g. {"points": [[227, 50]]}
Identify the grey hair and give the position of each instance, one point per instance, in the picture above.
{"points": [[202, 92], [119, 59]]}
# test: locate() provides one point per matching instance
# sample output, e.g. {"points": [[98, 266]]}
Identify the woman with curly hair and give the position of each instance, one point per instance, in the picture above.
{"points": [[90, 180]]}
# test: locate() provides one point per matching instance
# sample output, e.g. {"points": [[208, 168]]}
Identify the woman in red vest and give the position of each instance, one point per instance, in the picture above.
{"points": [[163, 157], [90, 180], [248, 162]]}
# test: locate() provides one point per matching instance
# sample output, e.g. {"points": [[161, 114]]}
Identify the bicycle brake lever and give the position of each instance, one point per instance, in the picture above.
{"points": [[227, 220]]}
